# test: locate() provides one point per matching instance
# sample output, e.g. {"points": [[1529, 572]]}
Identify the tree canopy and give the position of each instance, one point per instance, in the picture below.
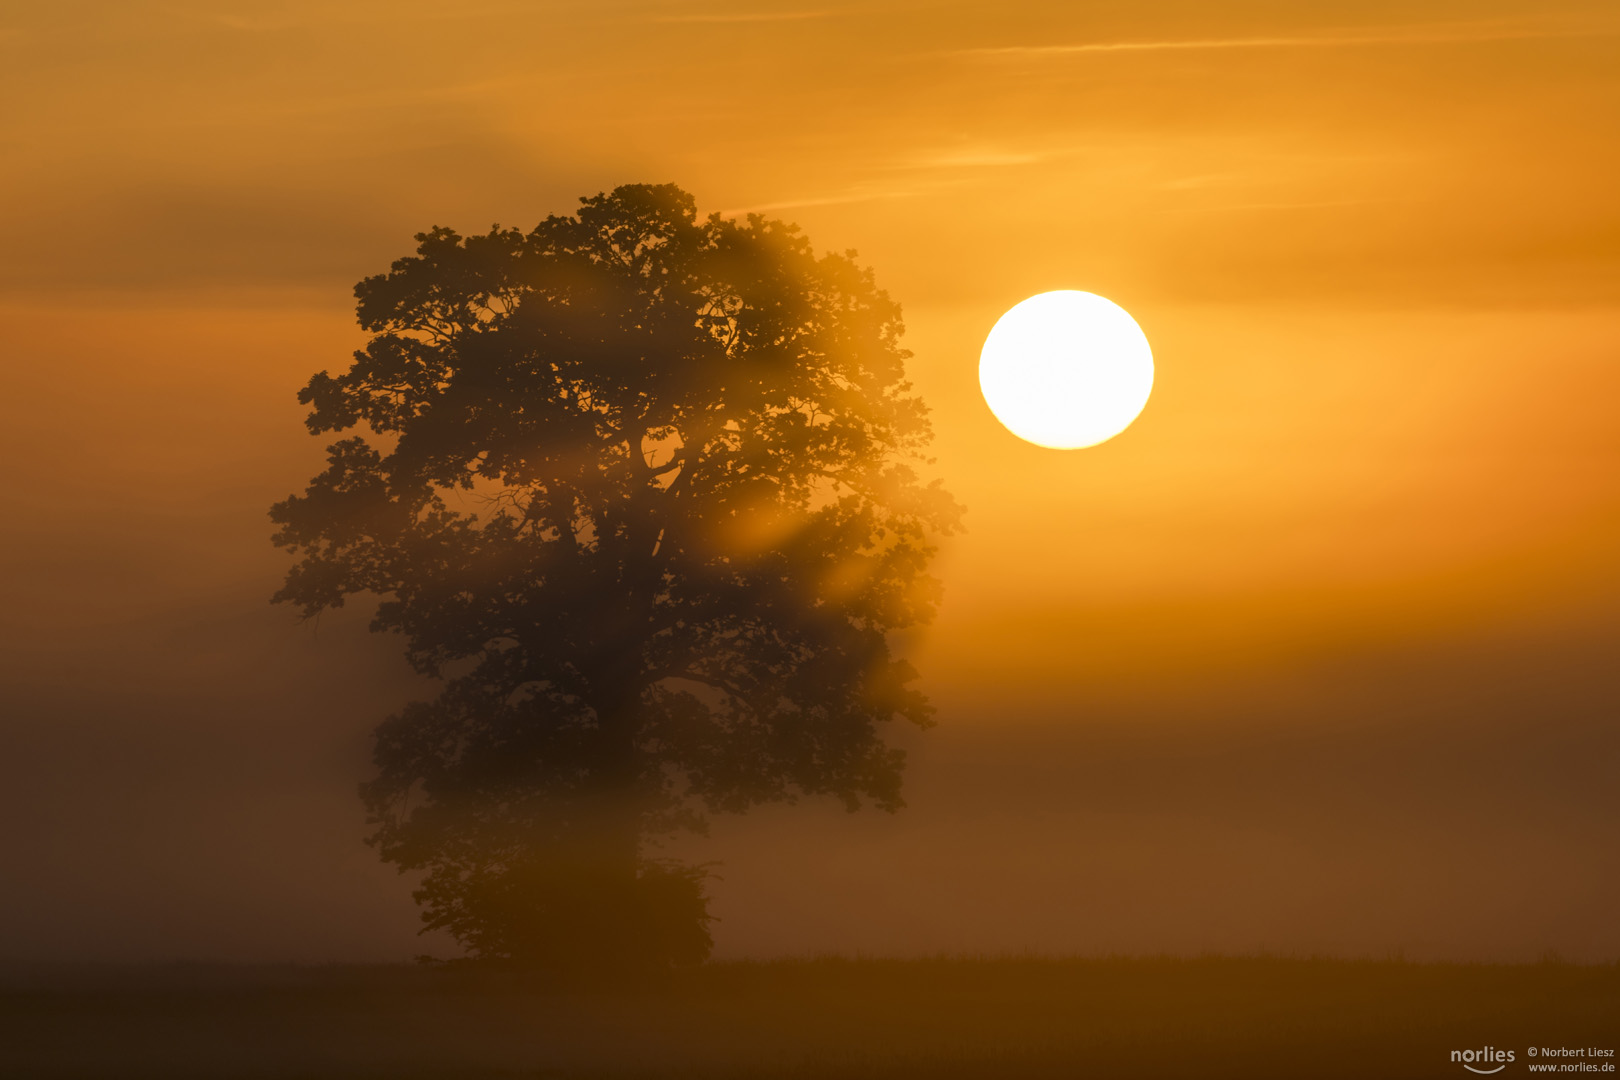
{"points": [[639, 487]]}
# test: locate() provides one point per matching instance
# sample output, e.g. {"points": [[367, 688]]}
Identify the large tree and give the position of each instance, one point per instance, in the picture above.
{"points": [[637, 487]]}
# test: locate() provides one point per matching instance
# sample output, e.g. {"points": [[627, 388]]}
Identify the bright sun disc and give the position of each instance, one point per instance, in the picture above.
{"points": [[1066, 369]]}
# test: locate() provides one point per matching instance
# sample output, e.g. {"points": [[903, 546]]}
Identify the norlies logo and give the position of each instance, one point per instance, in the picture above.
{"points": [[1490, 1055]]}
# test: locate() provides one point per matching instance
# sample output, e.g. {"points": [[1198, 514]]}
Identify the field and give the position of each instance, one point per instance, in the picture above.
{"points": [[1018, 1017]]}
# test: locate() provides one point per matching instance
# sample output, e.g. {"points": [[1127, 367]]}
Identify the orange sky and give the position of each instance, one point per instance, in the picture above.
{"points": [[1374, 245]]}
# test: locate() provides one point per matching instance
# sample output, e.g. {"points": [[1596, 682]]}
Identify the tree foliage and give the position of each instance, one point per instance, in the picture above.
{"points": [[638, 487]]}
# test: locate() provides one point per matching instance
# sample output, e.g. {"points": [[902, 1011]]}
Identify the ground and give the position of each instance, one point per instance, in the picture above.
{"points": [[1209, 1017]]}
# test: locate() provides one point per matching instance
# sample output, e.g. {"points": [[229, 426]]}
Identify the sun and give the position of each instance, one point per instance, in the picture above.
{"points": [[1066, 369]]}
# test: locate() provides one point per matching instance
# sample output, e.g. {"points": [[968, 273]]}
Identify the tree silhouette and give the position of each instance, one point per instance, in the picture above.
{"points": [[635, 487]]}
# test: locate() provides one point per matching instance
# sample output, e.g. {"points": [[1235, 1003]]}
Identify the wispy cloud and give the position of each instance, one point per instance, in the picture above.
{"points": [[1443, 35], [972, 159], [820, 200], [1205, 180], [324, 16], [745, 17], [1329, 204]]}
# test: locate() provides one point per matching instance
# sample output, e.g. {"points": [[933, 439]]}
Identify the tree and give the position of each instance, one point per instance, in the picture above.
{"points": [[637, 487]]}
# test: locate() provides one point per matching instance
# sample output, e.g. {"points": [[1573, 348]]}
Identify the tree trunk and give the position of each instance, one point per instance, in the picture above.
{"points": [[608, 853]]}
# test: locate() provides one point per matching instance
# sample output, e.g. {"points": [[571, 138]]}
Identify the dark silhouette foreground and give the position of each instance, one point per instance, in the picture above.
{"points": [[635, 485], [819, 1020]]}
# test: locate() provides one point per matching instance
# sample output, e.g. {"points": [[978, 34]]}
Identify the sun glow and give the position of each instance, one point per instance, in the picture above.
{"points": [[1066, 369]]}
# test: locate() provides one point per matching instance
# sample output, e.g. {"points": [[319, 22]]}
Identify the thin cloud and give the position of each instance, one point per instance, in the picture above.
{"points": [[818, 200], [257, 24], [1189, 183], [1237, 207], [1440, 36], [367, 101], [745, 17], [973, 159]]}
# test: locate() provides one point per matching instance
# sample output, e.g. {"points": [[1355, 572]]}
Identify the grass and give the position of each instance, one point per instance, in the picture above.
{"points": [[963, 1017]]}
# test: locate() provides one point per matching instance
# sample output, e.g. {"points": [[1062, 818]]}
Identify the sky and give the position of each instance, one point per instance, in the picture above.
{"points": [[1316, 657]]}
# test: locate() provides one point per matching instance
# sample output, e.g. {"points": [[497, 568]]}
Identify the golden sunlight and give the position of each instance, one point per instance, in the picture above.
{"points": [[1066, 369]]}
